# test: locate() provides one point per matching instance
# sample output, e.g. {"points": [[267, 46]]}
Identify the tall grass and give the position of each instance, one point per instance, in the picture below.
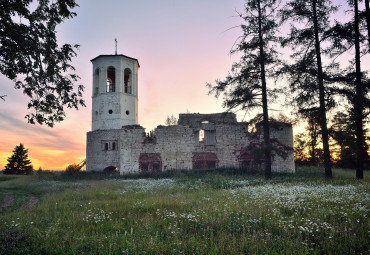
{"points": [[227, 211]]}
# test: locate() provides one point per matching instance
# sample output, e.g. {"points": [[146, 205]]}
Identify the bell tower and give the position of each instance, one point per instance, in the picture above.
{"points": [[115, 92]]}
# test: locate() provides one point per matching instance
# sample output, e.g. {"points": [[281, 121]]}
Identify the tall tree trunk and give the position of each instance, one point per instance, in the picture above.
{"points": [[358, 102], [322, 110], [367, 14], [266, 125]]}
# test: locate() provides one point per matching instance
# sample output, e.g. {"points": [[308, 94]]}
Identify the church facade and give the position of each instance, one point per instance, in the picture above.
{"points": [[198, 141]]}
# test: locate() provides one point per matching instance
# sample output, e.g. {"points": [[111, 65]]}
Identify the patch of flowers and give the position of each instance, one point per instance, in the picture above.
{"points": [[146, 185], [59, 185], [96, 215], [171, 215], [296, 195]]}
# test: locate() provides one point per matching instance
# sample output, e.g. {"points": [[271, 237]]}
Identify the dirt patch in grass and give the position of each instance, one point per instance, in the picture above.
{"points": [[7, 201], [31, 202]]}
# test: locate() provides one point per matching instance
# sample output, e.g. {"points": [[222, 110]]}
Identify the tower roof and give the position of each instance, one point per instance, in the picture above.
{"points": [[120, 55]]}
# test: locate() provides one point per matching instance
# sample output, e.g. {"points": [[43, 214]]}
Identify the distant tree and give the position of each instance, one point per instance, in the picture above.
{"points": [[19, 163], [308, 20], [315, 153], [245, 87], [30, 56], [39, 171], [171, 120], [306, 144], [300, 149], [343, 132]]}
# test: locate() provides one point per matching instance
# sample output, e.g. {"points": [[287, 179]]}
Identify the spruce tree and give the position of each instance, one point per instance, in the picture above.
{"points": [[19, 163]]}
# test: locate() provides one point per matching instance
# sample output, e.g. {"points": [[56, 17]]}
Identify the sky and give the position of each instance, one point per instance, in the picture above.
{"points": [[180, 44]]}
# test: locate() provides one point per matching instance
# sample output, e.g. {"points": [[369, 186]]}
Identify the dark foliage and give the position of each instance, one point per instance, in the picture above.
{"points": [[343, 132], [73, 169], [19, 163], [30, 55], [245, 86], [346, 37], [306, 145], [308, 78], [15, 242]]}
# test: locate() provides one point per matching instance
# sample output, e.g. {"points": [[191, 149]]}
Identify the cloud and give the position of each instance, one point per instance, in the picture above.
{"points": [[50, 147], [56, 138]]}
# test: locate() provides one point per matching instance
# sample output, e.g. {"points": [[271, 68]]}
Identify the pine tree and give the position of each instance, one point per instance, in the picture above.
{"points": [[19, 163], [357, 86], [359, 99], [246, 85], [308, 79]]}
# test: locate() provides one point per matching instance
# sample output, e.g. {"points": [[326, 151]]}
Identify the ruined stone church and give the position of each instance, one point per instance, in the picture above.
{"points": [[198, 141]]}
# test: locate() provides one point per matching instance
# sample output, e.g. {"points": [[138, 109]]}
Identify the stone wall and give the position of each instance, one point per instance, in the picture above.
{"points": [[179, 146], [283, 133], [97, 158]]}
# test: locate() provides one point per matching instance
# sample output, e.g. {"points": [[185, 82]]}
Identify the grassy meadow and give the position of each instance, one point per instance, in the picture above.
{"points": [[227, 211]]}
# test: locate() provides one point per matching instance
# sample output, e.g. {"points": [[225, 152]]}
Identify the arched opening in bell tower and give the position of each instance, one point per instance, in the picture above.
{"points": [[111, 79], [96, 81], [127, 81]]}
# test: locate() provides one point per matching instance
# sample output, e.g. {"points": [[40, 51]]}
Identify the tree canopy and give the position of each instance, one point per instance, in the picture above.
{"points": [[32, 58]]}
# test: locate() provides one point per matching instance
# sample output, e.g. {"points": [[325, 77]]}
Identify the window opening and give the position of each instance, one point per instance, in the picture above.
{"points": [[110, 169], [144, 167], [110, 111], [109, 145], [201, 135], [111, 79], [205, 160], [249, 159], [156, 166], [127, 81], [150, 162], [198, 165], [96, 81], [211, 164], [245, 163]]}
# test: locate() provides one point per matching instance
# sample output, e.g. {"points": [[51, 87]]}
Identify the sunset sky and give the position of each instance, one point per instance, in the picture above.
{"points": [[180, 44]]}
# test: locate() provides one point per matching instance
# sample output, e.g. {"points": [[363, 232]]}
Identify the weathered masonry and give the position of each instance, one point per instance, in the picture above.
{"points": [[199, 141]]}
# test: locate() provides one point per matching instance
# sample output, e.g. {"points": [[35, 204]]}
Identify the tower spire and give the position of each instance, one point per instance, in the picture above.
{"points": [[115, 40]]}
